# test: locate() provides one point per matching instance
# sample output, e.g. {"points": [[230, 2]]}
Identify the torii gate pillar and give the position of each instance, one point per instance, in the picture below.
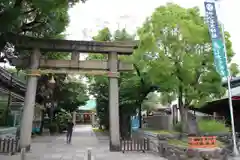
{"points": [[29, 103], [114, 103]]}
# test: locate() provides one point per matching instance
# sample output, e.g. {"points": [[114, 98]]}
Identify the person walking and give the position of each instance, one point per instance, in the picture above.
{"points": [[70, 126]]}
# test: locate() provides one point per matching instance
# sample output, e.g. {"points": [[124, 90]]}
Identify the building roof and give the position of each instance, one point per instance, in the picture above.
{"points": [[235, 82], [222, 104]]}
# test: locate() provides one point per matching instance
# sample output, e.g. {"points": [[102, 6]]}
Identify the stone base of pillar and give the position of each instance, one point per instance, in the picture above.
{"points": [[27, 148], [114, 148]]}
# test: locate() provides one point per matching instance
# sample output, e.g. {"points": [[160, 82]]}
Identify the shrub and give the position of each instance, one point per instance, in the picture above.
{"points": [[212, 126], [62, 119], [178, 127], [53, 127]]}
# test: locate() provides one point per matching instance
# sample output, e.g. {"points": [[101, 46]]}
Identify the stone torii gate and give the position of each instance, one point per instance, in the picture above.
{"points": [[35, 62]]}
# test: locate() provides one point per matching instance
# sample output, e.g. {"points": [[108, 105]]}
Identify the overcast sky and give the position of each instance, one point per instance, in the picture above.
{"points": [[88, 18]]}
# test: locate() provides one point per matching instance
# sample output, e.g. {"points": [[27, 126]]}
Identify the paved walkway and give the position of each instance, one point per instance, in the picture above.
{"points": [[55, 148]]}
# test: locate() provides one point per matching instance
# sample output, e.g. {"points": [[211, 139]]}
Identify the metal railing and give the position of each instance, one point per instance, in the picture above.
{"points": [[135, 144], [10, 145]]}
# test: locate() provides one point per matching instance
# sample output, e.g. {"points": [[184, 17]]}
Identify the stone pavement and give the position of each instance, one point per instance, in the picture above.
{"points": [[55, 148]]}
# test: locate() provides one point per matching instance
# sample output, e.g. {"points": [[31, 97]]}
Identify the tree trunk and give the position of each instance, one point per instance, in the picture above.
{"points": [[184, 118], [188, 120], [125, 125], [140, 115], [183, 111]]}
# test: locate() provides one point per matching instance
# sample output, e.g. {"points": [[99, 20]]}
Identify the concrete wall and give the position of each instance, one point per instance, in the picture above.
{"points": [[159, 122]]}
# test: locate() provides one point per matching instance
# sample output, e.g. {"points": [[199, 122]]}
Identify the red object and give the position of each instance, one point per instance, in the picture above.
{"points": [[86, 117], [235, 97], [109, 73], [202, 142]]}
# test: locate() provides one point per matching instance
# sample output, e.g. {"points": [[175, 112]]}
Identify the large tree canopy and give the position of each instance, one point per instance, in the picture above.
{"points": [[180, 59], [46, 19], [41, 19], [36, 18]]}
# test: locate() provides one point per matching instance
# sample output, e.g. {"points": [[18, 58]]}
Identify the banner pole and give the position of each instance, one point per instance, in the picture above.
{"points": [[235, 149]]}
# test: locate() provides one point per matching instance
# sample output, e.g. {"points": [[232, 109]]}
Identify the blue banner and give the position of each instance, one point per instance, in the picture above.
{"points": [[219, 54], [135, 123]]}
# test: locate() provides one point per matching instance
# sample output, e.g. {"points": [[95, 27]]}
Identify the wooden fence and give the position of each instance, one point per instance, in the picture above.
{"points": [[135, 144], [9, 145]]}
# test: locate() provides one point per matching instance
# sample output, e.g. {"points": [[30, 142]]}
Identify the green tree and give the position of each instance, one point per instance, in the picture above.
{"points": [[19, 74], [68, 96], [150, 102], [132, 91], [36, 18], [47, 19], [178, 45], [41, 19], [167, 98], [234, 68], [72, 95]]}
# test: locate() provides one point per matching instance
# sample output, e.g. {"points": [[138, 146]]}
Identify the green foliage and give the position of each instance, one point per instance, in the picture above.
{"points": [[36, 18], [3, 113], [178, 127], [130, 93], [72, 95], [53, 127], [150, 102], [97, 130], [162, 132], [45, 19], [207, 126], [167, 98], [68, 96], [180, 59], [234, 68], [62, 118], [177, 50], [19, 74], [212, 126]]}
